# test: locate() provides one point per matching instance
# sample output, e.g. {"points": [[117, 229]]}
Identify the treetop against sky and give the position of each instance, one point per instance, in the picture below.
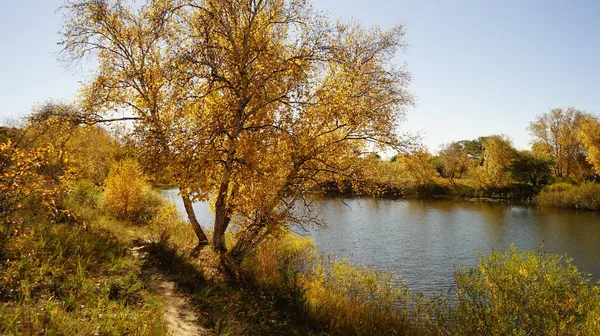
{"points": [[477, 67]]}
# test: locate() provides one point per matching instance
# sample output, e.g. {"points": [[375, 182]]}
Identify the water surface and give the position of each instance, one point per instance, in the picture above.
{"points": [[424, 240]]}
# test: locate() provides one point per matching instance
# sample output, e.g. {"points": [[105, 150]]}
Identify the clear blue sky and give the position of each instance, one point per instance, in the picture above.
{"points": [[479, 67]]}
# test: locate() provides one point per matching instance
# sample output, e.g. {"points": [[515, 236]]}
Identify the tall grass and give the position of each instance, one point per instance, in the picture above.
{"points": [[58, 279], [76, 277], [564, 195], [338, 297], [516, 293]]}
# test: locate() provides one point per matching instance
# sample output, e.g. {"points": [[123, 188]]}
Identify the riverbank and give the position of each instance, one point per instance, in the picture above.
{"points": [[285, 287], [582, 196], [86, 276]]}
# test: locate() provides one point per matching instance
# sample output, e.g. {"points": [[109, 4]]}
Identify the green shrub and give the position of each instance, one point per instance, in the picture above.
{"points": [[84, 192], [525, 293], [81, 201], [564, 195]]}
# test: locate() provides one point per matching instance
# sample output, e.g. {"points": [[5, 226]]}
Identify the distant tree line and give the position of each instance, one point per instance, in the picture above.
{"points": [[565, 148]]}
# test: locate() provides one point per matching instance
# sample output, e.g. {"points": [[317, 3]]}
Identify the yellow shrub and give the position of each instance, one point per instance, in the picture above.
{"points": [[127, 196], [565, 195], [337, 295], [167, 223]]}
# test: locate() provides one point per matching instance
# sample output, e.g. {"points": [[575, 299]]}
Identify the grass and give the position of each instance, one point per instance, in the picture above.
{"points": [[59, 279], [338, 297], [77, 277], [512, 293], [80, 278], [228, 306]]}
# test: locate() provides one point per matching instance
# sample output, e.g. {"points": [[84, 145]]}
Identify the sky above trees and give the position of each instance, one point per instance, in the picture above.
{"points": [[478, 67]]}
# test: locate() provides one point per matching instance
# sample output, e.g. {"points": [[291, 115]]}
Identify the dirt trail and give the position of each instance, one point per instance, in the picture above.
{"points": [[180, 315]]}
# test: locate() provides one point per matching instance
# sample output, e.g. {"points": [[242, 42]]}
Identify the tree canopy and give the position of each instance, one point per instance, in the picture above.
{"points": [[250, 102]]}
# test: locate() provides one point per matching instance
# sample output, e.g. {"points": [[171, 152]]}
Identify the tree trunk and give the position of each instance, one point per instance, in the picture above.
{"points": [[187, 203], [249, 240], [221, 224], [221, 218]]}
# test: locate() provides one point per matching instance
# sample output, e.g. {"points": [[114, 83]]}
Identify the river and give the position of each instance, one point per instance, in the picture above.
{"points": [[423, 241]]}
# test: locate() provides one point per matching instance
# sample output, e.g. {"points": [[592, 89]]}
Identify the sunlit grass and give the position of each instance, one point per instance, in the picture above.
{"points": [[63, 279]]}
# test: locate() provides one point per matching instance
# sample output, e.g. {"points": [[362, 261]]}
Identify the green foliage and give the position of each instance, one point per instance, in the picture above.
{"points": [[85, 192], [525, 293], [564, 195], [474, 148], [127, 195], [82, 200], [530, 168]]}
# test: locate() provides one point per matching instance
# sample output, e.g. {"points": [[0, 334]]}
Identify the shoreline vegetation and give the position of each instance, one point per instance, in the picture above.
{"points": [[251, 106], [81, 276], [70, 264]]}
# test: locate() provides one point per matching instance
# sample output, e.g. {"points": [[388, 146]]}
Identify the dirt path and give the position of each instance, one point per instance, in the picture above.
{"points": [[180, 315]]}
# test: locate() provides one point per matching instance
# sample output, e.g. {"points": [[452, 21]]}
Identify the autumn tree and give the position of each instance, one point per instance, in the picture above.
{"points": [[417, 166], [555, 136], [497, 157], [137, 75], [23, 186], [85, 151], [453, 162], [589, 135], [252, 103]]}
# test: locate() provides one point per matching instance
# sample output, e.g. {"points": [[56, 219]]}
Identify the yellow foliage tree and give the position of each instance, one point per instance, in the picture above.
{"points": [[85, 151], [22, 185], [252, 103], [417, 166], [498, 155], [589, 135], [556, 136]]}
